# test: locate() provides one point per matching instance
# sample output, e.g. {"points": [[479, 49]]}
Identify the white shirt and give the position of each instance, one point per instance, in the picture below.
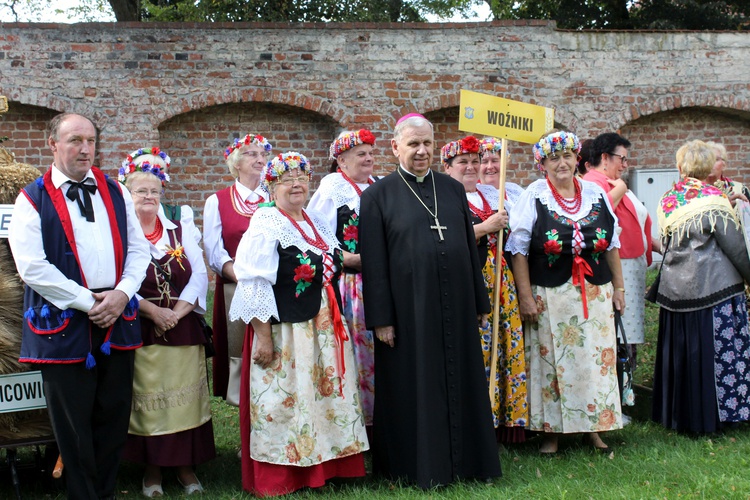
{"points": [[93, 242], [197, 286], [334, 192], [213, 242]]}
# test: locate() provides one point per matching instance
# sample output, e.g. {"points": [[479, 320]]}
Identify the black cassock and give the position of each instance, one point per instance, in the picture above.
{"points": [[432, 416]]}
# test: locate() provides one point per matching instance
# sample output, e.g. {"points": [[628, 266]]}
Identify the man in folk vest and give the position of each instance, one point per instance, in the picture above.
{"points": [[81, 252]]}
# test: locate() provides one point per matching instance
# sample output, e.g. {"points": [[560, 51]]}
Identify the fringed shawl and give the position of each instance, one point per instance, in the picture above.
{"points": [[683, 208]]}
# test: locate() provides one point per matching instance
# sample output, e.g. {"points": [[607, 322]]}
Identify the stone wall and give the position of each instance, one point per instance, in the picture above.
{"points": [[191, 88]]}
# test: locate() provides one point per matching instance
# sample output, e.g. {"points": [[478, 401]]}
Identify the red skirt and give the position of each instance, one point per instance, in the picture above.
{"points": [[263, 479]]}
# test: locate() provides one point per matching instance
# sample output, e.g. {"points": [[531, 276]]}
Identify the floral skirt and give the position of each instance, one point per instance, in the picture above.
{"points": [[509, 407], [571, 361], [304, 410], [350, 286], [702, 375]]}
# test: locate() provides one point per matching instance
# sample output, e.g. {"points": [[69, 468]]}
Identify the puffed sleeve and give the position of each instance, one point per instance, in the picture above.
{"points": [[213, 243], [324, 206], [522, 217], [197, 286], [255, 266]]}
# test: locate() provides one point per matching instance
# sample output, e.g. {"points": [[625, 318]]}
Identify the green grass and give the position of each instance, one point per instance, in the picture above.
{"points": [[647, 462]]}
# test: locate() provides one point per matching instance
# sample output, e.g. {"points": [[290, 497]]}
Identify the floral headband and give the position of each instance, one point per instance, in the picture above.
{"points": [[490, 145], [129, 166], [258, 140], [350, 140], [553, 143], [468, 144], [284, 162]]}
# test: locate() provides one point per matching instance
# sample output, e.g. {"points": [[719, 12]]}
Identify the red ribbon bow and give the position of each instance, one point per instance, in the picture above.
{"points": [[581, 269]]}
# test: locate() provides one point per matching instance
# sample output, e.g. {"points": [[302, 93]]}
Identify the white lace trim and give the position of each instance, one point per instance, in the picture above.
{"points": [[523, 215], [254, 297], [335, 188], [491, 194], [513, 191]]}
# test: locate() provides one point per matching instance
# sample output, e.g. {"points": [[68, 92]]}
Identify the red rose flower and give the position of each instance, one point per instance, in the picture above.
{"points": [[552, 247], [601, 245], [304, 272], [470, 144], [292, 454], [155, 151], [288, 402], [367, 137], [691, 193], [351, 233], [325, 387]]}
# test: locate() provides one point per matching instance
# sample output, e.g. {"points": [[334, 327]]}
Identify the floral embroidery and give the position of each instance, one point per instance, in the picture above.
{"points": [[600, 244], [683, 192], [303, 274], [552, 247], [351, 233], [585, 221], [176, 253]]}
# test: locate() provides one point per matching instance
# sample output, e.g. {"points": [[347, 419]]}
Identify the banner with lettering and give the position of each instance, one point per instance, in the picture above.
{"points": [[5, 212], [497, 117], [22, 391]]}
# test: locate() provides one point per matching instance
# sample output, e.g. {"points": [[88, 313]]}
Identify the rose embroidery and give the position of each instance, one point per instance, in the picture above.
{"points": [[303, 274], [351, 233], [600, 244], [552, 247]]}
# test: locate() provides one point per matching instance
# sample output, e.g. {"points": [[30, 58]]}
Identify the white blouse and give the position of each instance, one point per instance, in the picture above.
{"points": [[335, 192], [523, 214], [257, 260], [213, 242]]}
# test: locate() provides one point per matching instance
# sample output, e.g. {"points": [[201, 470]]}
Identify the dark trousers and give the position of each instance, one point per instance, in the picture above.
{"points": [[90, 413]]}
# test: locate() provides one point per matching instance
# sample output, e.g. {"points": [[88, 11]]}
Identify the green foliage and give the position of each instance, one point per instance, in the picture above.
{"points": [[301, 11], [629, 14]]}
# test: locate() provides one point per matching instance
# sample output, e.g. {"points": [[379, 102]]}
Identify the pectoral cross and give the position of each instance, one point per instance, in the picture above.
{"points": [[438, 228]]}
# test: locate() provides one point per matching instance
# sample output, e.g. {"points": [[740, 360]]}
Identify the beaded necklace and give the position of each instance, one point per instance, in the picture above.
{"points": [[318, 242], [483, 213], [353, 184], [155, 235], [573, 206], [243, 207]]}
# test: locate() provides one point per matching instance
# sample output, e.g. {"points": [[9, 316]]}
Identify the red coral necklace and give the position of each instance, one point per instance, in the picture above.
{"points": [[155, 235], [318, 242], [568, 206], [483, 213], [244, 207], [354, 184]]}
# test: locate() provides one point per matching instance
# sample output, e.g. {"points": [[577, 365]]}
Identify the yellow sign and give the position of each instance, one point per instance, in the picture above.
{"points": [[497, 117]]}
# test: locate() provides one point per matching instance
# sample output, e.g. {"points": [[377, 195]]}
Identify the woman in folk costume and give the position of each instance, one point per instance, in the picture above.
{"points": [[567, 268], [462, 162], [337, 199], [170, 421], [702, 367], [490, 150], [226, 217], [300, 418]]}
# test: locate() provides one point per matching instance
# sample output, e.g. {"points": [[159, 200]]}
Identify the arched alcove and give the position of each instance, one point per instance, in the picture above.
{"points": [[657, 137], [196, 140]]}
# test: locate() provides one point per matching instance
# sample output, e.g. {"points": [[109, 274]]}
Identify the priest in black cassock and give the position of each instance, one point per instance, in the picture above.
{"points": [[422, 279]]}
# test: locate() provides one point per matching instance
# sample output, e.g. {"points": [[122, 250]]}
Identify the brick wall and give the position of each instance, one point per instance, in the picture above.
{"points": [[191, 88]]}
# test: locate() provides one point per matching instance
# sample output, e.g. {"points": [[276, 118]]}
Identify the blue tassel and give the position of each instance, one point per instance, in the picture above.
{"points": [[131, 307], [90, 361], [40, 182], [105, 348], [29, 314], [44, 313], [67, 313]]}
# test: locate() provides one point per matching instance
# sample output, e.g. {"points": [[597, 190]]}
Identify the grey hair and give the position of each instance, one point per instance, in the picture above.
{"points": [[412, 122]]}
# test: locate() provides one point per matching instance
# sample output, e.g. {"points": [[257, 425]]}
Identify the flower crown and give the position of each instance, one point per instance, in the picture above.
{"points": [[558, 141], [258, 140], [350, 140], [129, 166], [491, 145], [284, 162], [468, 144]]}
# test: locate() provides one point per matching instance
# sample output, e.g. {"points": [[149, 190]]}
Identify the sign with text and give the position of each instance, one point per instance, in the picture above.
{"points": [[497, 117], [22, 391], [5, 212]]}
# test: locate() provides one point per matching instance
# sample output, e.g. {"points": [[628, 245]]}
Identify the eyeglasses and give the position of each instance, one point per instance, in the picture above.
{"points": [[255, 154], [622, 157], [153, 193], [290, 181]]}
